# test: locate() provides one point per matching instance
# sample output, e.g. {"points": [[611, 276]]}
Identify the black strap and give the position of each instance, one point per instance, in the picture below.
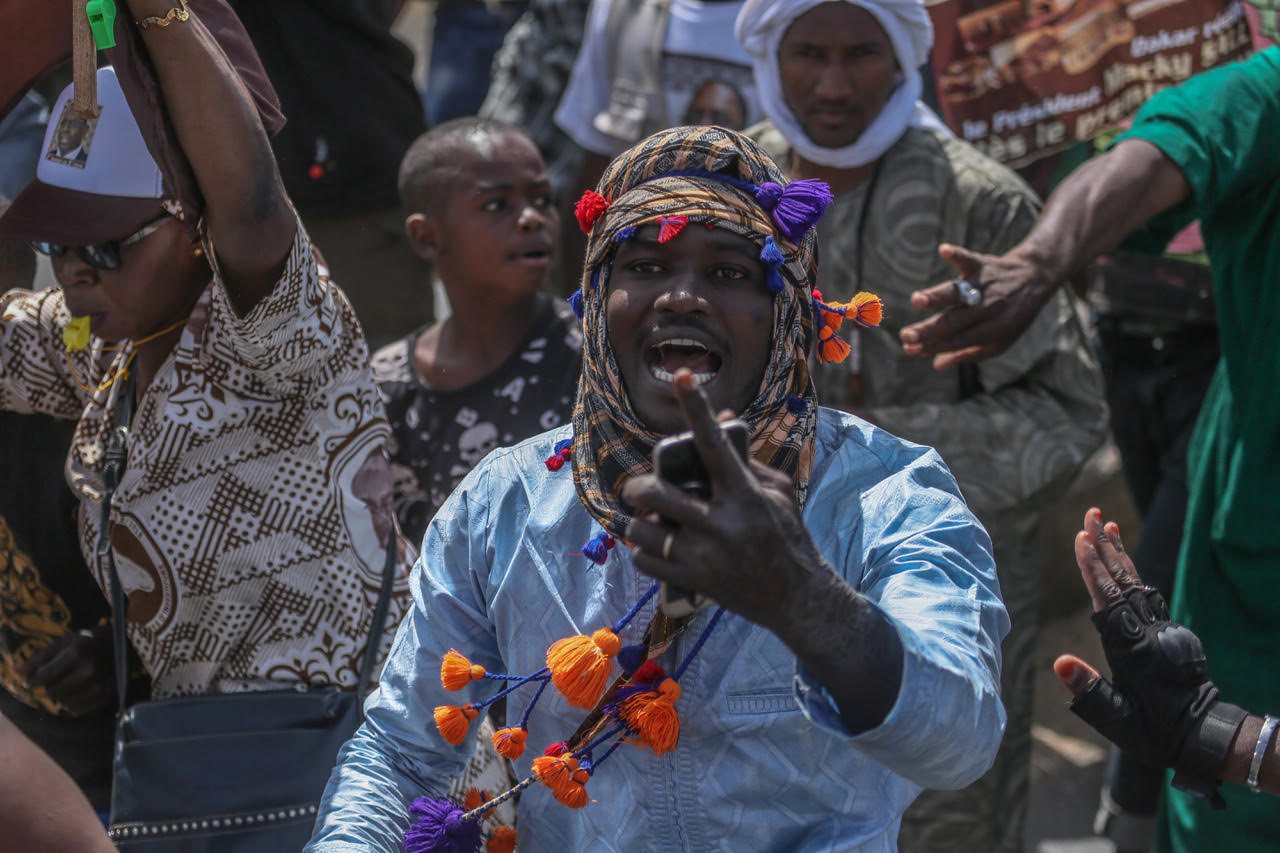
{"points": [[379, 616], [116, 456], [112, 470]]}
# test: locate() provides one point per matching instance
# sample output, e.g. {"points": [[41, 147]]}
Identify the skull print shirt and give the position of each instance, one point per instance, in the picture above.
{"points": [[438, 436]]}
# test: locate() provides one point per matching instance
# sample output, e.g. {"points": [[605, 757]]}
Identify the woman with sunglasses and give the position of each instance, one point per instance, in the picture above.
{"points": [[250, 523]]}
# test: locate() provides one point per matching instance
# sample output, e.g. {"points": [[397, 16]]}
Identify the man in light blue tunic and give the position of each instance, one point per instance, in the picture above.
{"points": [[856, 659]]}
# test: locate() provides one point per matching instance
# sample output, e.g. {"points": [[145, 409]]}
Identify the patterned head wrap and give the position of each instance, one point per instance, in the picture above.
{"points": [[717, 177]]}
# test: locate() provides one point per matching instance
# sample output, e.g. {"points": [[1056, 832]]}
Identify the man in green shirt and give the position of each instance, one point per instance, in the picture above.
{"points": [[1206, 149]]}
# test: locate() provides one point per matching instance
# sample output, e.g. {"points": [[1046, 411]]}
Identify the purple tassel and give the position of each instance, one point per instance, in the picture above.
{"points": [[800, 206], [439, 828], [597, 548], [773, 259], [624, 234], [797, 405], [575, 302], [768, 194]]}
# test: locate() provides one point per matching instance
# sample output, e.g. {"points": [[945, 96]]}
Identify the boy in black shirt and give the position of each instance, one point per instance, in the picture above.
{"points": [[504, 364]]}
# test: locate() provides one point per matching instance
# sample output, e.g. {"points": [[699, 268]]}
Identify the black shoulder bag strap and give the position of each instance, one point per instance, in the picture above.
{"points": [[112, 470], [379, 618], [113, 467]]}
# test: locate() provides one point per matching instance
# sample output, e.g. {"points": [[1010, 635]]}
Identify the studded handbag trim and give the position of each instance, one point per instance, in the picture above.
{"points": [[211, 824]]}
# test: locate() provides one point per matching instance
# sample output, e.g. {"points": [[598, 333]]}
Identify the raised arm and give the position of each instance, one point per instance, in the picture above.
{"points": [[1092, 212], [749, 549], [248, 215]]}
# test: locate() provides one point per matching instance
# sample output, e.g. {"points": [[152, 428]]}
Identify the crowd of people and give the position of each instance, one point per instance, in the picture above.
{"points": [[247, 452]]}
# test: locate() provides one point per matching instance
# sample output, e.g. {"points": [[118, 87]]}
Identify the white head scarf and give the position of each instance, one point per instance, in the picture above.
{"points": [[759, 29]]}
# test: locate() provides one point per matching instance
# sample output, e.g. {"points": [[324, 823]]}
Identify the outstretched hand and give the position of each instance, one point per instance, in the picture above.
{"points": [[746, 547], [1013, 292]]}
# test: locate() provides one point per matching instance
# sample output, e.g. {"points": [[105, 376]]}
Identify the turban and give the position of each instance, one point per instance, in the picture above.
{"points": [[673, 179], [760, 27]]}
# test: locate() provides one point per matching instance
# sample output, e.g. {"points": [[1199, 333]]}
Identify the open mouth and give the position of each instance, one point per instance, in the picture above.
{"points": [[665, 357], [534, 256]]}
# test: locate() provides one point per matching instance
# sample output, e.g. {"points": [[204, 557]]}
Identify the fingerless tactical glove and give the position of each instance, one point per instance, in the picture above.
{"points": [[1162, 706]]}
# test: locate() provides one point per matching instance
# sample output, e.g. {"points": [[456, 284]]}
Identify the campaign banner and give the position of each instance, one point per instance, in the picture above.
{"points": [[1021, 79]]}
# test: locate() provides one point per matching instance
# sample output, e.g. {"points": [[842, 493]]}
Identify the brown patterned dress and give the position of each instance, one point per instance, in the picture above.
{"points": [[248, 528]]}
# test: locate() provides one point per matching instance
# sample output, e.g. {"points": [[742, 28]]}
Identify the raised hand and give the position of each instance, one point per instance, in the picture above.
{"points": [[746, 547], [1162, 707]]}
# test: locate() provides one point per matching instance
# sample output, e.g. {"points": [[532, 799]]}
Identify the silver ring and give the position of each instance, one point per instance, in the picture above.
{"points": [[666, 545], [968, 295]]}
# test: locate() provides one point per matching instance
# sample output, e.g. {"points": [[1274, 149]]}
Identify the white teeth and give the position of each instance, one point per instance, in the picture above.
{"points": [[683, 342], [666, 376]]}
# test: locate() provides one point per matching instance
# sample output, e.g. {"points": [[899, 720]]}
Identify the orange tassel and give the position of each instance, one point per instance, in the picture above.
{"points": [[831, 347], [510, 742], [453, 721], [574, 796], [555, 772], [654, 716], [580, 666], [828, 318], [503, 840], [456, 672], [865, 309], [473, 800]]}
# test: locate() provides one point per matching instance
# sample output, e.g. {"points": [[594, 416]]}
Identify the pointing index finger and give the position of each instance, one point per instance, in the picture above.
{"points": [[725, 468]]}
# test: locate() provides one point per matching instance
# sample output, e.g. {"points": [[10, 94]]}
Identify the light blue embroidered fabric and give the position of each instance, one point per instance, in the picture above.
{"points": [[763, 761]]}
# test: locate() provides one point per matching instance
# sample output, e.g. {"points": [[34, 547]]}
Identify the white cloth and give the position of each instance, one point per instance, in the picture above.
{"points": [[698, 48], [759, 29]]}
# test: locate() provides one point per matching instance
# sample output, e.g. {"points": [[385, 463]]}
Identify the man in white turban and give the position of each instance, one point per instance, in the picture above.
{"points": [[840, 84]]}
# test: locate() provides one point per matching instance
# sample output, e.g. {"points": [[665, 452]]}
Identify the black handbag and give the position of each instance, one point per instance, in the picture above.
{"points": [[223, 772]]}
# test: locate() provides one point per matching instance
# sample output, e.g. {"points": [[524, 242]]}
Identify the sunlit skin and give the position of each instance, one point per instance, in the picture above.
{"points": [[499, 225], [838, 70], [158, 282], [491, 243], [706, 286]]}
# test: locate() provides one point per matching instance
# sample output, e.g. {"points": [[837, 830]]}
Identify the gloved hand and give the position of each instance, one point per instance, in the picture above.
{"points": [[1160, 705]]}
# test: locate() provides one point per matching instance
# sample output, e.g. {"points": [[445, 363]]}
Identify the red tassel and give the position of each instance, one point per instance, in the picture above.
{"points": [[556, 749], [473, 799], [589, 208], [654, 716], [580, 666], [831, 347], [453, 721], [671, 226], [509, 742], [649, 672], [503, 840], [456, 672]]}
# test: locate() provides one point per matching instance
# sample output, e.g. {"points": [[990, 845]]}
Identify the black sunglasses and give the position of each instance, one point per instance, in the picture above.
{"points": [[106, 255]]}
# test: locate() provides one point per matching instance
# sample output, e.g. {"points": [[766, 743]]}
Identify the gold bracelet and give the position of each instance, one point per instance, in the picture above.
{"points": [[175, 14]]}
